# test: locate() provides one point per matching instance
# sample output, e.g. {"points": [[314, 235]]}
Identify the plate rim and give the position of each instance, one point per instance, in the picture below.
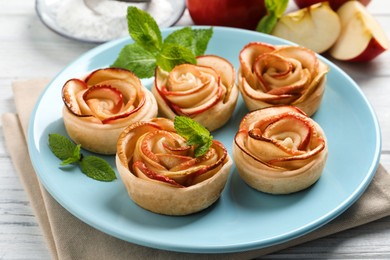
{"points": [[299, 232]]}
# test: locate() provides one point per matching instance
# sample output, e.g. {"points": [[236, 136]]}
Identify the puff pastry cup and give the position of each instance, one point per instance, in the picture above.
{"points": [[279, 150], [281, 75], [161, 173], [99, 107], [206, 92]]}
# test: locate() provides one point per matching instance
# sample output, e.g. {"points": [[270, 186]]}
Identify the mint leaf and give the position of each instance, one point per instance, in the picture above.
{"points": [[183, 37], [143, 29], [61, 146], [195, 134], [172, 55], [74, 158], [94, 167], [275, 9], [135, 58], [203, 148], [97, 168], [201, 40], [149, 50], [194, 39]]}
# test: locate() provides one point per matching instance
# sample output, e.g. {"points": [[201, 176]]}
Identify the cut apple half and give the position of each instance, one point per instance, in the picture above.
{"points": [[316, 27], [335, 4], [362, 38]]}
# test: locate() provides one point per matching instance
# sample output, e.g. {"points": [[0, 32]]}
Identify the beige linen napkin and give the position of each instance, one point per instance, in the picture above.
{"points": [[70, 238]]}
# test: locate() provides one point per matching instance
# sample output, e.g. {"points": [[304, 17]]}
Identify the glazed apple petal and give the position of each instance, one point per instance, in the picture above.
{"points": [[103, 101], [280, 98], [189, 88], [131, 134], [284, 139], [305, 56], [151, 146], [298, 161], [69, 94], [212, 99], [224, 69], [101, 75], [292, 129], [313, 88], [185, 78], [247, 57], [199, 94], [143, 172]]}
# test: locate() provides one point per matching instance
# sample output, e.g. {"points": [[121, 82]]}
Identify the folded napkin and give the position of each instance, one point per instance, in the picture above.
{"points": [[69, 238]]}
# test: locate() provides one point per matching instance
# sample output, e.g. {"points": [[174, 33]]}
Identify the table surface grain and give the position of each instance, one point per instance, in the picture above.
{"points": [[30, 50]]}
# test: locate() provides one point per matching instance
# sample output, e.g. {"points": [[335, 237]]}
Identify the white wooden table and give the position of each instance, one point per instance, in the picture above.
{"points": [[29, 50]]}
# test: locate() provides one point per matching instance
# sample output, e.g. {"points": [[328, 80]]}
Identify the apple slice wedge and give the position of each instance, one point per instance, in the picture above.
{"points": [[335, 4], [362, 38], [316, 27]]}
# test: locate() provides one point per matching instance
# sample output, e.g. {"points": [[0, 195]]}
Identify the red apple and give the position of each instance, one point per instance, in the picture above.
{"points": [[316, 27], [232, 13], [335, 4], [361, 38]]}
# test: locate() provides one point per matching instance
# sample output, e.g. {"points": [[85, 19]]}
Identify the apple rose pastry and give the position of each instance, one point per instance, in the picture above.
{"points": [[161, 172], [279, 150], [98, 108], [281, 75], [205, 92]]}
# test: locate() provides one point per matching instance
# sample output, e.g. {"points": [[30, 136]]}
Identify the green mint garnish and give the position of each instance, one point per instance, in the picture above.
{"points": [[172, 55], [195, 40], [195, 134], [92, 166], [150, 50], [135, 58], [97, 168], [275, 9], [143, 29]]}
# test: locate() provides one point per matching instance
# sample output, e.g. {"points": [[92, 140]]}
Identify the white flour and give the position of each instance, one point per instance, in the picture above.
{"points": [[102, 20]]}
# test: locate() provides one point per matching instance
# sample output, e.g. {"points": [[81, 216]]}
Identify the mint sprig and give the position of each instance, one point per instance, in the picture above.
{"points": [[195, 134], [275, 9], [70, 153], [150, 50]]}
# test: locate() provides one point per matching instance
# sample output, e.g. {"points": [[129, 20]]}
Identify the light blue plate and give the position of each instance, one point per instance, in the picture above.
{"points": [[242, 219]]}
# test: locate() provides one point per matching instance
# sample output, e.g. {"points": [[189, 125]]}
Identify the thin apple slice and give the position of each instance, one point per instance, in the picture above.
{"points": [[316, 27], [335, 4], [224, 68], [69, 95], [362, 38], [104, 101]]}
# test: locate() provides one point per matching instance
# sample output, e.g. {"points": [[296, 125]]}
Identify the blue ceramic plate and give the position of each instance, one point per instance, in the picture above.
{"points": [[242, 219]]}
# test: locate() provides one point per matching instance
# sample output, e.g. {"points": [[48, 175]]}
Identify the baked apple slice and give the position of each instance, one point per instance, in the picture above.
{"points": [[161, 172], [100, 106], [281, 75], [279, 150], [205, 92]]}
